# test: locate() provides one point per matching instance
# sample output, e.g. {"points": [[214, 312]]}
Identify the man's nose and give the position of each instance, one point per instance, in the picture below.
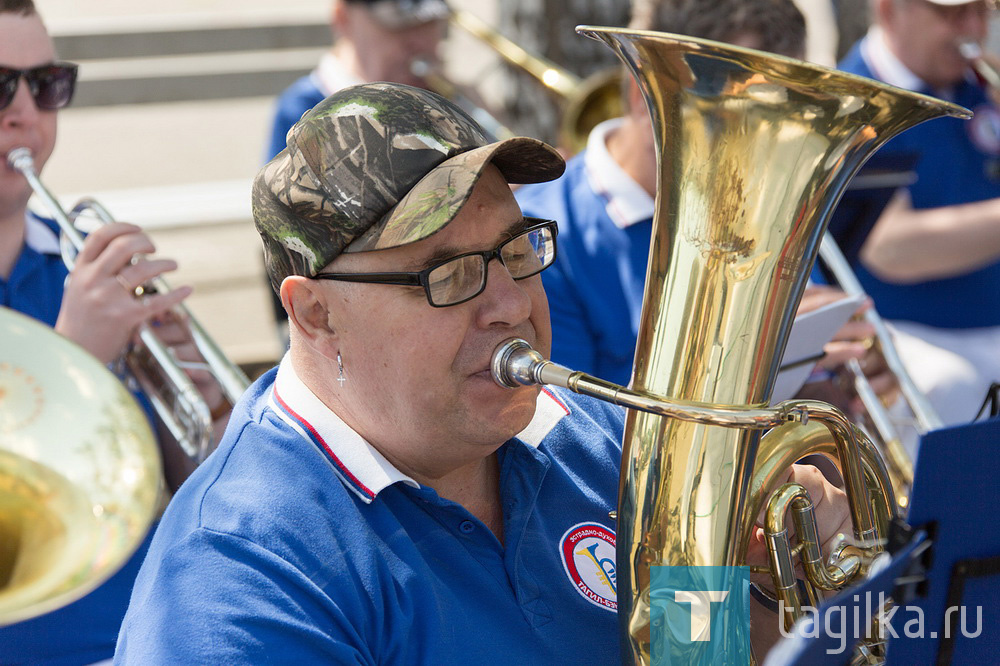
{"points": [[505, 300]]}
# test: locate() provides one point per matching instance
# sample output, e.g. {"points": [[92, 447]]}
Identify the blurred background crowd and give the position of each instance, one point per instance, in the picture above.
{"points": [[175, 101]]}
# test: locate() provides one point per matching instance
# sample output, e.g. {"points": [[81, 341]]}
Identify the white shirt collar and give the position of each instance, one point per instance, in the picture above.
{"points": [[357, 463], [625, 200], [884, 63], [330, 75], [39, 236]]}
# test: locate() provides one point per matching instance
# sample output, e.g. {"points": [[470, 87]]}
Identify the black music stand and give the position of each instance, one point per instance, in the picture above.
{"points": [[949, 559]]}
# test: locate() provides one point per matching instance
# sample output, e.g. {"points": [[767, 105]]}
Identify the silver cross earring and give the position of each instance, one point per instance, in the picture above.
{"points": [[340, 366]]}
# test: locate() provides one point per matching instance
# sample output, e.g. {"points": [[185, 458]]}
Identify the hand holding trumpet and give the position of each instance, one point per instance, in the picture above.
{"points": [[100, 310], [854, 341]]}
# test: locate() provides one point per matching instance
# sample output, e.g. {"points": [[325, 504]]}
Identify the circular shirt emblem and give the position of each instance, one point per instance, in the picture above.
{"points": [[588, 556], [984, 129]]}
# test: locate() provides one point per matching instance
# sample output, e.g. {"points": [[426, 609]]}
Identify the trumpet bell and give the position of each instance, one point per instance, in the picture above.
{"points": [[79, 471]]}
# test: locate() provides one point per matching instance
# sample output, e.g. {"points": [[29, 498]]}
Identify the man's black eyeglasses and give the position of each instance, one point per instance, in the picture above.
{"points": [[462, 278], [51, 85]]}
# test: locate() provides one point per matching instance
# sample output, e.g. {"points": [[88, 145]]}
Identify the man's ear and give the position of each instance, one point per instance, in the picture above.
{"points": [[885, 11], [338, 18], [308, 308]]}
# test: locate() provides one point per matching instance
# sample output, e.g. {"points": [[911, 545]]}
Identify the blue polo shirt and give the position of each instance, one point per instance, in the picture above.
{"points": [[329, 76], [297, 542], [302, 95], [596, 284], [86, 630], [35, 285], [959, 162]]}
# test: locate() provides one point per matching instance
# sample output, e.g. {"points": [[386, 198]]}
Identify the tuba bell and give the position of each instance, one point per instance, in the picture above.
{"points": [[754, 151], [79, 470]]}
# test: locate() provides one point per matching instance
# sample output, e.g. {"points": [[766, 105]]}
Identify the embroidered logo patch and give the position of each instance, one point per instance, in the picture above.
{"points": [[588, 556]]}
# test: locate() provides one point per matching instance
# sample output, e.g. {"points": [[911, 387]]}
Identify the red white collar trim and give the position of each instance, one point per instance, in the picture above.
{"points": [[357, 463]]}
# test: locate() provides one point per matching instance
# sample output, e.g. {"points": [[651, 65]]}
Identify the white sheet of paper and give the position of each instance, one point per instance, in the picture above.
{"points": [[810, 332]]}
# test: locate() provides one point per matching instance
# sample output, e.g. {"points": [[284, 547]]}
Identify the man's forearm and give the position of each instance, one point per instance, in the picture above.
{"points": [[908, 245]]}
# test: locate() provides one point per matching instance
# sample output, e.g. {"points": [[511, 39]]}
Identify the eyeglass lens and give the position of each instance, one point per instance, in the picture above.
{"points": [[464, 277], [52, 86]]}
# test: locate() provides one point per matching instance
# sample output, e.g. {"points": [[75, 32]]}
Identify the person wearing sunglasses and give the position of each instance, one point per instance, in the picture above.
{"points": [[95, 305], [378, 497], [98, 310]]}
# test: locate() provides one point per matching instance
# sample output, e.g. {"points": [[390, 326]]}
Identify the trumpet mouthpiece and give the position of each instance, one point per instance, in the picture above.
{"points": [[970, 49], [21, 159], [420, 67]]}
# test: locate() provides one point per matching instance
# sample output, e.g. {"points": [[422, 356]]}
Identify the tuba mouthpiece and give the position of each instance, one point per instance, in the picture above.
{"points": [[515, 363]]}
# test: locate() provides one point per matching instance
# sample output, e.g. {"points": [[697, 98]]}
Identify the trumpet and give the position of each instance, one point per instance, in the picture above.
{"points": [[899, 462], [973, 53], [175, 398]]}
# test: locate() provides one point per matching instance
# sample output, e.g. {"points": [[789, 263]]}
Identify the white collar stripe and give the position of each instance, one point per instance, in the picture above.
{"points": [[549, 410], [309, 432], [885, 64], [39, 236], [625, 200], [360, 465]]}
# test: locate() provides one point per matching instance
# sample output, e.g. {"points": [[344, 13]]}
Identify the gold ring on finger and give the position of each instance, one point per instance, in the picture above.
{"points": [[133, 291]]}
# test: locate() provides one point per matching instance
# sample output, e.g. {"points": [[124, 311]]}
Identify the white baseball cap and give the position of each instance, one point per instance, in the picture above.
{"points": [[949, 3]]}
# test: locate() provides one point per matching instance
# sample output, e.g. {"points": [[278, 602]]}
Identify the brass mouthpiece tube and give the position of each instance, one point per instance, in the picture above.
{"points": [[973, 52], [515, 364]]}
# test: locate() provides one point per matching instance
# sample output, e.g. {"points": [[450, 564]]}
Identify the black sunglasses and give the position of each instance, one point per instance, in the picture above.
{"points": [[462, 278], [51, 85]]}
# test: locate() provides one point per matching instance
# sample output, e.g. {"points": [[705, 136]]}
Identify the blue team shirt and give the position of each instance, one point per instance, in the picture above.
{"points": [[297, 542], [596, 284], [959, 162], [298, 98], [85, 631], [35, 285]]}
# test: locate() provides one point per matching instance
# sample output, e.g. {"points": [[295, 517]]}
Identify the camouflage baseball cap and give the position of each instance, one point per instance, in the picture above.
{"points": [[376, 166]]}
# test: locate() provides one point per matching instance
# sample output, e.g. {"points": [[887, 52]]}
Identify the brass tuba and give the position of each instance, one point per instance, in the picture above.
{"points": [[754, 152]]}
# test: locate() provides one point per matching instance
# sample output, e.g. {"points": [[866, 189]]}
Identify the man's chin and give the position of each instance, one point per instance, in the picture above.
{"points": [[509, 409], [519, 412]]}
